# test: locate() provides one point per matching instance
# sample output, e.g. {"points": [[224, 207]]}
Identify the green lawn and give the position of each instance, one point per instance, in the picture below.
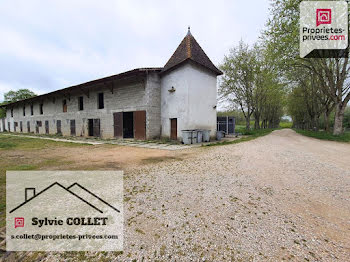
{"points": [[249, 135], [286, 124], [18, 153], [325, 135], [240, 127]]}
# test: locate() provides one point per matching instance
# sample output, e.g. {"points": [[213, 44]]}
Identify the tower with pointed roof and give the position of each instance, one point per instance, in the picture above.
{"points": [[188, 90], [190, 51]]}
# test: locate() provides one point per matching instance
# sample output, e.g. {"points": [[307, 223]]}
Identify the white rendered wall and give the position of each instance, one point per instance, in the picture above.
{"points": [[193, 101]]}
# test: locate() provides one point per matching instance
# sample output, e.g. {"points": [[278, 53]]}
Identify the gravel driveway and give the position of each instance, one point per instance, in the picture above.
{"points": [[279, 197]]}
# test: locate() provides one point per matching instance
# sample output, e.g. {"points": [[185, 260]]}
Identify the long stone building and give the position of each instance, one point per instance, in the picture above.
{"points": [[144, 103]]}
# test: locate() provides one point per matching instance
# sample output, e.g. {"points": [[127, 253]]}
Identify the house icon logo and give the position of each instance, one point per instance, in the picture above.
{"points": [[323, 16], [30, 195]]}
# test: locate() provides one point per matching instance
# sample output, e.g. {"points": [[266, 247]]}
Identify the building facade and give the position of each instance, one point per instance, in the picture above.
{"points": [[144, 103]]}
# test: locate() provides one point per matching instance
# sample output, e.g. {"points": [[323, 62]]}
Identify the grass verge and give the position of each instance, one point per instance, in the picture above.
{"points": [[249, 135], [325, 135], [18, 153], [25, 143]]}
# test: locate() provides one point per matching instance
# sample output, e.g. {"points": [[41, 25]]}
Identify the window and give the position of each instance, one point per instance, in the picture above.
{"points": [[81, 103], [11, 112], [31, 110], [64, 105], [41, 109], [24, 111], [100, 101]]}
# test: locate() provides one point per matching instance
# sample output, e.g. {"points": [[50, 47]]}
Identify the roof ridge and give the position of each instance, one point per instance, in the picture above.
{"points": [[188, 45], [89, 83]]}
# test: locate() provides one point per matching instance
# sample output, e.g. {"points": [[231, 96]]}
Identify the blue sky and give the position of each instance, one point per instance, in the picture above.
{"points": [[49, 45]]}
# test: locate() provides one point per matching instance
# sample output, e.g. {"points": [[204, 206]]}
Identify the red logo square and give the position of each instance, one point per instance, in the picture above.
{"points": [[323, 16], [19, 222]]}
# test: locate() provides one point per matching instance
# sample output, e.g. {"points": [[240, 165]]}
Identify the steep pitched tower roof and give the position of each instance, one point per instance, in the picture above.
{"points": [[190, 50]]}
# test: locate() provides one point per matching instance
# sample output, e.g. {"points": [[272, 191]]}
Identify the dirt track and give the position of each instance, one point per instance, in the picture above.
{"points": [[282, 196]]}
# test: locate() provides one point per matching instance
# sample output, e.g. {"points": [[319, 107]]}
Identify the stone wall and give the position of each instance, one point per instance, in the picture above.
{"points": [[143, 95]]}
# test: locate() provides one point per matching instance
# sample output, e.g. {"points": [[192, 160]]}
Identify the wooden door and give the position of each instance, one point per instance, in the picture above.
{"points": [[96, 127], [47, 127], [28, 126], [59, 130], [91, 127], [140, 125], [173, 128], [38, 124], [118, 124]]}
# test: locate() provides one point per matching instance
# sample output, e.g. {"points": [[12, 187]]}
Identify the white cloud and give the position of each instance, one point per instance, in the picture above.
{"points": [[46, 45]]}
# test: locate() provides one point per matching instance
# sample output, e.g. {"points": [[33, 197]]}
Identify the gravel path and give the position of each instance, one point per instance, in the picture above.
{"points": [[279, 197]]}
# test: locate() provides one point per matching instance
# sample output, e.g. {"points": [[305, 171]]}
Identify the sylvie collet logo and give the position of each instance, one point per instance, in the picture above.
{"points": [[30, 195]]}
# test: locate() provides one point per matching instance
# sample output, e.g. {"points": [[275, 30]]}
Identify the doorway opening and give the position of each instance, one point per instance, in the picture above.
{"points": [[128, 125], [59, 130], [94, 127], [47, 127], [72, 127], [173, 128], [91, 127]]}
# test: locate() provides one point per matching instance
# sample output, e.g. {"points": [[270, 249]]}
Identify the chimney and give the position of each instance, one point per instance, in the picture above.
{"points": [[29, 193]]}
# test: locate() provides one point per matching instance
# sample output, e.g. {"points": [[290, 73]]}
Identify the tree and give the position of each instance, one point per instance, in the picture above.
{"points": [[296, 109], [283, 40], [237, 85], [347, 117], [311, 98], [250, 83], [333, 75], [14, 96], [269, 92], [2, 111]]}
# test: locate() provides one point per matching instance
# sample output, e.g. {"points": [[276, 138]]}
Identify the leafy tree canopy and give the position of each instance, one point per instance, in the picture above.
{"points": [[14, 96]]}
